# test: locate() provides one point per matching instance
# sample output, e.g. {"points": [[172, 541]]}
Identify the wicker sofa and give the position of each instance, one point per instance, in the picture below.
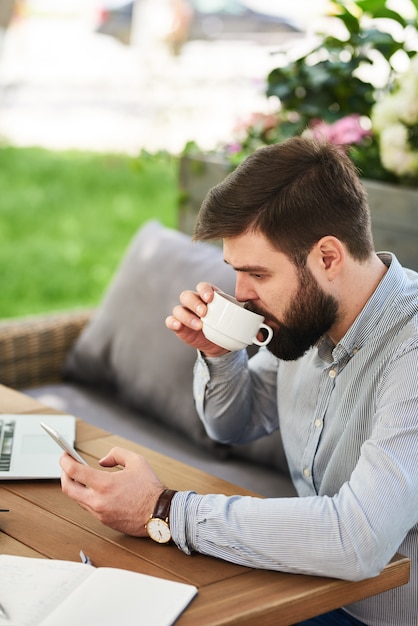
{"points": [[33, 350], [118, 367]]}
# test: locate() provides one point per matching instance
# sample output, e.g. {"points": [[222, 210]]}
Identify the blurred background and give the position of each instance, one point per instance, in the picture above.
{"points": [[96, 100], [100, 101], [103, 103], [122, 76]]}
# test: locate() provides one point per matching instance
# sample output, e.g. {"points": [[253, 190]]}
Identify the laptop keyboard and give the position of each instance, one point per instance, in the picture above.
{"points": [[7, 429]]}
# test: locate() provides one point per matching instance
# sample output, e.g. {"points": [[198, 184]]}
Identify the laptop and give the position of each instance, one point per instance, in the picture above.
{"points": [[27, 451]]}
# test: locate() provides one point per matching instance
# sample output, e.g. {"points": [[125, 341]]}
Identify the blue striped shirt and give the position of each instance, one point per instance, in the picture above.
{"points": [[348, 416]]}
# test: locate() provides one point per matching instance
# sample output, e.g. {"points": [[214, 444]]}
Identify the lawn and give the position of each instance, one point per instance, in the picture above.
{"points": [[66, 219]]}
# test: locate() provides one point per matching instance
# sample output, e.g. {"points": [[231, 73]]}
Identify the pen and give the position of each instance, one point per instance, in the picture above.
{"points": [[3, 612], [85, 559]]}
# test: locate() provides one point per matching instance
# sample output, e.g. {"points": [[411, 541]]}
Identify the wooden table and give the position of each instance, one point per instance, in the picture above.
{"points": [[43, 522]]}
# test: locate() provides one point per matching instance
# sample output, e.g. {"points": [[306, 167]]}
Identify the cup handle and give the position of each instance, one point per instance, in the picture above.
{"points": [[267, 339]]}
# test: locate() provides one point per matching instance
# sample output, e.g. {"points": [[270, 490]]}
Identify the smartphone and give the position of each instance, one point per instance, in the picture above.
{"points": [[63, 443]]}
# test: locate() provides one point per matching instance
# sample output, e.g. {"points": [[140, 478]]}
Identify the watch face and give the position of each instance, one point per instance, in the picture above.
{"points": [[158, 530]]}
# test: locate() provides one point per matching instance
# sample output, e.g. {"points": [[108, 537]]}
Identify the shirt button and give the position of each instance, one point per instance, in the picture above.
{"points": [[318, 423], [332, 373], [307, 472]]}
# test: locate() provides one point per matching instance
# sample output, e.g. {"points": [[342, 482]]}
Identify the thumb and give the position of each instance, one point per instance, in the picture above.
{"points": [[115, 456]]}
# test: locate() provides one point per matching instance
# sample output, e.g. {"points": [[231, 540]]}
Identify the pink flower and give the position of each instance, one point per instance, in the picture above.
{"points": [[261, 121], [343, 132], [233, 148]]}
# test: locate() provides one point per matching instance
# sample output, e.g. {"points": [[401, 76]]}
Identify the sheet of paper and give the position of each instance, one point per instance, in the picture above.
{"points": [[31, 588], [43, 592], [114, 596]]}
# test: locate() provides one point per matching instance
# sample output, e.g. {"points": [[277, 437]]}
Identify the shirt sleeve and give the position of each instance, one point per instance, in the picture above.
{"points": [[351, 534], [235, 396]]}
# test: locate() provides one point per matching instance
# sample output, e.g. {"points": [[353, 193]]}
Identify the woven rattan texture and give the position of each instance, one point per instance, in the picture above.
{"points": [[32, 351]]}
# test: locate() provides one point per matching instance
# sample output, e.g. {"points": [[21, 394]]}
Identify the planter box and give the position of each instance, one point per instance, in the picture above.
{"points": [[394, 220], [197, 174], [394, 209]]}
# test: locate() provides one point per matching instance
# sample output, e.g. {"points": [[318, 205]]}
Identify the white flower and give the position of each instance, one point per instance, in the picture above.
{"points": [[395, 153], [392, 119]]}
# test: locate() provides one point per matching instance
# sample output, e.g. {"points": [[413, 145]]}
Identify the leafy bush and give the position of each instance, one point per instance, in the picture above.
{"points": [[331, 88]]}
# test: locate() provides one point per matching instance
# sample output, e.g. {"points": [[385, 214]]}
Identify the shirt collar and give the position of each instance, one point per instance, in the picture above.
{"points": [[365, 323]]}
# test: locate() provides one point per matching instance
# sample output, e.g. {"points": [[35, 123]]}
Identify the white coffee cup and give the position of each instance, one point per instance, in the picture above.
{"points": [[231, 326]]}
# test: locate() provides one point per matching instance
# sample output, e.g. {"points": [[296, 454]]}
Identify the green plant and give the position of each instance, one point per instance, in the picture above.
{"points": [[329, 81], [331, 88]]}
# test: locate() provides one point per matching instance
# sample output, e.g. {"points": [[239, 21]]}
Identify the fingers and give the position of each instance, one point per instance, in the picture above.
{"points": [[74, 480], [192, 307], [195, 302], [75, 490], [76, 471], [205, 291], [186, 319], [122, 500]]}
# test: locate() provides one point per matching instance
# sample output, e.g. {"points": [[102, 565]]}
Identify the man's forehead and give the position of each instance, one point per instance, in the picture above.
{"points": [[250, 252], [252, 240]]}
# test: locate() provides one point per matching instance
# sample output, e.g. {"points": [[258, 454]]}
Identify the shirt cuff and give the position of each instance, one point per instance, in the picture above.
{"points": [[183, 516], [219, 363]]}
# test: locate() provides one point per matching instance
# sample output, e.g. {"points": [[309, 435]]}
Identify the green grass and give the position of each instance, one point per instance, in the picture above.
{"points": [[66, 219]]}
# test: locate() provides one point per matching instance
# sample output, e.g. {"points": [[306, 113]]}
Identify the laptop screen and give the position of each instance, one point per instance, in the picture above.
{"points": [[27, 451]]}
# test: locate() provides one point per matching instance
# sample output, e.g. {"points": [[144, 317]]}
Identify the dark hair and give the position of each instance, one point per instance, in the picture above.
{"points": [[295, 193]]}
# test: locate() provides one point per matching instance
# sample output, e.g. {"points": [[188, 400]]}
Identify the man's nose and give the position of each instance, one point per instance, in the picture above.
{"points": [[243, 291]]}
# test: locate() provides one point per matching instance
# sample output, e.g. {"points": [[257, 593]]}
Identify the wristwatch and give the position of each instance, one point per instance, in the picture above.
{"points": [[157, 526]]}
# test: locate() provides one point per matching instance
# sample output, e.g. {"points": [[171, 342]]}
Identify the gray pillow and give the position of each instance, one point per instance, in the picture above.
{"points": [[127, 346]]}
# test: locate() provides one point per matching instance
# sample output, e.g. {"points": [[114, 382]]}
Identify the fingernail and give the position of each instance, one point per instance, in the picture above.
{"points": [[197, 324], [200, 309]]}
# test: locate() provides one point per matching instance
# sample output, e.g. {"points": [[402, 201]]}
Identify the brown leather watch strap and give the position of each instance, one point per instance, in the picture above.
{"points": [[162, 508]]}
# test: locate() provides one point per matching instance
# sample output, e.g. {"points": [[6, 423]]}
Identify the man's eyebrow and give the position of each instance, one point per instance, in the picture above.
{"points": [[250, 269]]}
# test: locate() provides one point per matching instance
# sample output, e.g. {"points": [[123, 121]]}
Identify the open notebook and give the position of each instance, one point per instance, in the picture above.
{"points": [[43, 592], [26, 451]]}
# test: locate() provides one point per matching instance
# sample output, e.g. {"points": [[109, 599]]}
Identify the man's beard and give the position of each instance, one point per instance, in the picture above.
{"points": [[311, 315]]}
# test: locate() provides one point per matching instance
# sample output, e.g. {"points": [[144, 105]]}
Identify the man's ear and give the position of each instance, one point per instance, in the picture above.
{"points": [[328, 255]]}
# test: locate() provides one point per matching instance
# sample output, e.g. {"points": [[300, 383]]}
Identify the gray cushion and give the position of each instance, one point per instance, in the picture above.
{"points": [[127, 346]]}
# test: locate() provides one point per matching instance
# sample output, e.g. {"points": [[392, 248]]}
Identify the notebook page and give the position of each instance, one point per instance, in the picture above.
{"points": [[114, 596], [30, 588]]}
